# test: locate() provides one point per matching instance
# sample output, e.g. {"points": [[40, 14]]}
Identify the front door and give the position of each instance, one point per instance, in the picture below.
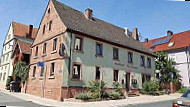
{"points": [[127, 82]]}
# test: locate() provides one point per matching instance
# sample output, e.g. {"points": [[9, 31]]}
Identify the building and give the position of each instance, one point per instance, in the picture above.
{"points": [[16, 32], [177, 46], [72, 48]]}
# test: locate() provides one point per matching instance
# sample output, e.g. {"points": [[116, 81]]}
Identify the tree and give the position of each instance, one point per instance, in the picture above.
{"points": [[167, 68], [21, 70]]}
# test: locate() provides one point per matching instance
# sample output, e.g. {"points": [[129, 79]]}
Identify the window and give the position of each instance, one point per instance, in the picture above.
{"points": [[52, 69], [149, 62], [145, 77], [5, 48], [115, 75], [44, 28], [50, 23], [7, 57], [115, 53], [130, 57], [97, 75], [142, 61], [36, 54], [78, 44], [4, 76], [54, 44], [48, 10], [34, 71], [9, 36], [44, 48], [76, 71], [42, 72], [99, 49]]}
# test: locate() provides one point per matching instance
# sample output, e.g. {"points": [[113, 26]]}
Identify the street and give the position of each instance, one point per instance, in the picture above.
{"points": [[156, 104], [7, 100]]}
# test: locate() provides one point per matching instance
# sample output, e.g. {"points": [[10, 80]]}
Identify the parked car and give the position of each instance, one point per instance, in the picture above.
{"points": [[183, 101]]}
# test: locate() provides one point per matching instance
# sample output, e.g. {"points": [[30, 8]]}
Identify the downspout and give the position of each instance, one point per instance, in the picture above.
{"points": [[70, 59], [187, 54]]}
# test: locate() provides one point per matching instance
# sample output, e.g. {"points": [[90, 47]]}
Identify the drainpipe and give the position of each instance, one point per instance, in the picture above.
{"points": [[188, 67]]}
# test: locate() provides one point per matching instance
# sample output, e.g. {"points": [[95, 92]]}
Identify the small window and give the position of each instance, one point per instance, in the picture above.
{"points": [[44, 48], [115, 75], [149, 62], [115, 53], [7, 57], [145, 77], [52, 69], [130, 57], [78, 44], [54, 44], [48, 10], [34, 71], [44, 28], [42, 72], [142, 61], [99, 49], [36, 54], [50, 23], [97, 75], [76, 71]]}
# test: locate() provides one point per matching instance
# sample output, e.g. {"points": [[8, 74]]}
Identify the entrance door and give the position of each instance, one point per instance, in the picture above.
{"points": [[127, 82]]}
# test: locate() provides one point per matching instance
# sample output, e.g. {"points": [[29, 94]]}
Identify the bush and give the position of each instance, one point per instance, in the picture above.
{"points": [[182, 90], [82, 96], [114, 95], [150, 86]]}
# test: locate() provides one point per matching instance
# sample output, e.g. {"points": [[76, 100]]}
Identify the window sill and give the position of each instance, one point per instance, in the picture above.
{"points": [[44, 55], [41, 78], [55, 51], [99, 56], [52, 77], [78, 51], [33, 78], [35, 57]]}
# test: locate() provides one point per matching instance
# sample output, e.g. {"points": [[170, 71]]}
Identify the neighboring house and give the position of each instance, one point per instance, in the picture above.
{"points": [[72, 48], [177, 46], [15, 32]]}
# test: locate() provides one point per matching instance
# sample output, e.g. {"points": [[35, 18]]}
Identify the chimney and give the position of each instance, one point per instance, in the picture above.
{"points": [[135, 34], [169, 33], [88, 13], [146, 40], [30, 28]]}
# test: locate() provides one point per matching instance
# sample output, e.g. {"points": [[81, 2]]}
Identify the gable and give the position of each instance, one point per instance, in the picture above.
{"points": [[57, 26], [9, 34]]}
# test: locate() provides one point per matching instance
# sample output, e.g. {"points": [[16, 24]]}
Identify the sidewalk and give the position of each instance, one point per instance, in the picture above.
{"points": [[110, 103]]}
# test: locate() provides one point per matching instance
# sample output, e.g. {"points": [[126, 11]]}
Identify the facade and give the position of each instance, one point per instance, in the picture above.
{"points": [[72, 48], [177, 47], [16, 32]]}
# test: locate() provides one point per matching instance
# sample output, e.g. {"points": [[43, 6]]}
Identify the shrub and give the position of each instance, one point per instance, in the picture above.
{"points": [[82, 96], [114, 95], [182, 90], [151, 86]]}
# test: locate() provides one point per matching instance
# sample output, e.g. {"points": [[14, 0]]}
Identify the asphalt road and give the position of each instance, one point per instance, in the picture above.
{"points": [[7, 100], [156, 104]]}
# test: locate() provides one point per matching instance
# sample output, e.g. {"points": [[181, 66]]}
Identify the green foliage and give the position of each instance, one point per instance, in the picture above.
{"points": [[21, 70], [182, 90], [151, 86], [114, 95], [167, 68], [117, 87], [9, 79], [83, 96]]}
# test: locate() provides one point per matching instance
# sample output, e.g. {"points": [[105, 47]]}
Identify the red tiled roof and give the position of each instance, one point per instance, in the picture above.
{"points": [[24, 47], [180, 40], [22, 30]]}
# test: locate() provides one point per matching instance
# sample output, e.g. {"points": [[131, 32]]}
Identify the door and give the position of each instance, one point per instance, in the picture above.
{"points": [[127, 82]]}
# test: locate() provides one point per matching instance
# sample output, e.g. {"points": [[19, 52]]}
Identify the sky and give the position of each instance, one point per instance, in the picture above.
{"points": [[152, 17]]}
